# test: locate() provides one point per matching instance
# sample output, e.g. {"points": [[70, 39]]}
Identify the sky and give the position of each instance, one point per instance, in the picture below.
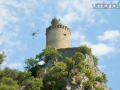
{"points": [[98, 28]]}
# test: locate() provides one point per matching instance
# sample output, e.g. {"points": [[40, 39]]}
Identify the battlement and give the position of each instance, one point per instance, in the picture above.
{"points": [[57, 26]]}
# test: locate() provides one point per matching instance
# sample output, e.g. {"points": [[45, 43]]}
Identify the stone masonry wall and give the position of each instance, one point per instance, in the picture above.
{"points": [[58, 36]]}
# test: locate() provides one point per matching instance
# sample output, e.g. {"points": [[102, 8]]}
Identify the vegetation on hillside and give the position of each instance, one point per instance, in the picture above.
{"points": [[35, 78]]}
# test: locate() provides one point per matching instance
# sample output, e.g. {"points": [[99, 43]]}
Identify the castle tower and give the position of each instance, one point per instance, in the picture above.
{"points": [[58, 36]]}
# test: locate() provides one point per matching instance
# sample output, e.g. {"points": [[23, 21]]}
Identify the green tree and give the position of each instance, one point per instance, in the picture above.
{"points": [[90, 74], [85, 49], [55, 21], [2, 56], [98, 88], [37, 84], [55, 77], [36, 69], [6, 87], [104, 77], [70, 64], [9, 82], [78, 57], [1, 73], [40, 73], [88, 84], [30, 63], [22, 76], [49, 53], [12, 73], [100, 79], [79, 63], [95, 59]]}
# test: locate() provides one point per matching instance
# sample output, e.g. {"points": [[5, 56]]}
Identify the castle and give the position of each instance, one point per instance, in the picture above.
{"points": [[58, 36]]}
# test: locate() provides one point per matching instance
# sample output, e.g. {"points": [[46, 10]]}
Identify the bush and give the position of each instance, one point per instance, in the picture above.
{"points": [[98, 88], [104, 77], [100, 79], [37, 84], [8, 82], [89, 72], [6, 87], [78, 57], [88, 84], [50, 53], [55, 21], [13, 73], [95, 59], [85, 49]]}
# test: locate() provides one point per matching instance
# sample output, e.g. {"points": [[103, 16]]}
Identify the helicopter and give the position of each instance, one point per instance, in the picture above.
{"points": [[34, 33]]}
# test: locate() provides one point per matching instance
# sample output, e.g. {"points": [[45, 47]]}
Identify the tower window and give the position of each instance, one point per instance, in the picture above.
{"points": [[64, 34]]}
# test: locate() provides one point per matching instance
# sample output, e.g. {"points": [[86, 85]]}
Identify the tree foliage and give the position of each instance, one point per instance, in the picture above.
{"points": [[22, 76], [12, 73], [37, 84], [90, 74], [55, 77], [8, 82], [85, 49], [6, 87], [98, 88], [79, 63], [88, 84], [2, 56], [35, 78], [78, 57], [70, 64], [30, 63], [36, 69], [104, 77], [40, 73], [49, 53], [55, 21], [95, 59]]}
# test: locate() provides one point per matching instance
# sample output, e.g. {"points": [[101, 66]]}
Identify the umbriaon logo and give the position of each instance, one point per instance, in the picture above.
{"points": [[106, 5]]}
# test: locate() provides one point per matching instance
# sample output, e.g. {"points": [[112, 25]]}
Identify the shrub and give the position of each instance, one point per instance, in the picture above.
{"points": [[104, 77], [55, 21], [98, 88], [100, 79], [8, 82], [89, 72], [50, 53], [85, 49], [88, 84], [37, 84], [95, 59], [6, 87]]}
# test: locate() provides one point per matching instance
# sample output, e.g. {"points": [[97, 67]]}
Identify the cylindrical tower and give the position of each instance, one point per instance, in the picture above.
{"points": [[58, 36]]}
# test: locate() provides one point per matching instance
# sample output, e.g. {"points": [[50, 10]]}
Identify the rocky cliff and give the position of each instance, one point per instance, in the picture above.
{"points": [[73, 83]]}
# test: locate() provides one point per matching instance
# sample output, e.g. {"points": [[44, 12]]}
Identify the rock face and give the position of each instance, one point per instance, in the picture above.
{"points": [[72, 83]]}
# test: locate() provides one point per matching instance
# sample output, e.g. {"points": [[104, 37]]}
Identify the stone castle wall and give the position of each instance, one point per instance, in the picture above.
{"points": [[67, 52], [58, 36]]}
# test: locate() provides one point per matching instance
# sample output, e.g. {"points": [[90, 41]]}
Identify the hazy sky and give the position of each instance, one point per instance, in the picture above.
{"points": [[98, 28]]}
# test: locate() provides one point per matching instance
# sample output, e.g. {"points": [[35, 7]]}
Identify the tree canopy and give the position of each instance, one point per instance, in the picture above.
{"points": [[55, 21]]}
